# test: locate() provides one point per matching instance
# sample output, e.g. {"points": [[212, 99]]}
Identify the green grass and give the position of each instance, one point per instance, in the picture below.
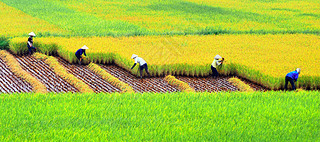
{"points": [[79, 23], [153, 17], [4, 43], [270, 116]]}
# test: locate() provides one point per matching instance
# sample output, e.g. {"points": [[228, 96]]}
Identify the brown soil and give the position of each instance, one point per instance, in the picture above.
{"points": [[254, 86], [54, 83], [208, 84], [9, 83], [153, 84], [45, 74], [95, 82]]}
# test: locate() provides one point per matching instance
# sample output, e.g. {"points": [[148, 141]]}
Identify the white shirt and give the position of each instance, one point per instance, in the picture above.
{"points": [[216, 63], [140, 61]]}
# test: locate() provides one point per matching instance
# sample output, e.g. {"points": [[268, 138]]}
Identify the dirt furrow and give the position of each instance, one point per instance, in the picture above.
{"points": [[254, 86], [208, 84], [154, 84], [96, 82], [9, 83], [45, 74]]}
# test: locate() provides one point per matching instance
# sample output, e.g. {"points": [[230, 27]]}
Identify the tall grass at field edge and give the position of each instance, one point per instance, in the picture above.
{"points": [[4, 43]]}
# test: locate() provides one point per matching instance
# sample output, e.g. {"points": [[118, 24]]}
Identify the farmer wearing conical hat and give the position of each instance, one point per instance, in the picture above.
{"points": [[142, 63], [80, 52], [218, 60], [292, 77], [31, 48]]}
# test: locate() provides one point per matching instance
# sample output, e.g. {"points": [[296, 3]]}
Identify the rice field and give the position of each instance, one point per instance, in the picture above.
{"points": [[16, 23], [153, 17], [261, 40], [264, 59], [160, 117]]}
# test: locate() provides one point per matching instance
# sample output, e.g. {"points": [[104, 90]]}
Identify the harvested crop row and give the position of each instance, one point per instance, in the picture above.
{"points": [[95, 82], [183, 86], [208, 84], [109, 78], [42, 71], [9, 83], [61, 71], [241, 85], [140, 85], [15, 67], [254, 86]]}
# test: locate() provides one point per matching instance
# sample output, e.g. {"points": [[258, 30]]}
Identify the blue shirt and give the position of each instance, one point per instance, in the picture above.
{"points": [[294, 75], [80, 52]]}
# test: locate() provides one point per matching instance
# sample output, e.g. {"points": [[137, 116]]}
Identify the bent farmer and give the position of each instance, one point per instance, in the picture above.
{"points": [[218, 60], [142, 63], [31, 48], [81, 53], [292, 77]]}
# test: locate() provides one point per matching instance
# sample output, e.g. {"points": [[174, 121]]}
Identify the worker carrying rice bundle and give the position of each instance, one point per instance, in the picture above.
{"points": [[142, 63], [292, 77], [30, 46], [218, 60], [81, 53]]}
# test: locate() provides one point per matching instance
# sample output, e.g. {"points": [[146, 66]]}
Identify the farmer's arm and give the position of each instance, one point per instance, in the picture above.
{"points": [[30, 44], [134, 65], [218, 63]]}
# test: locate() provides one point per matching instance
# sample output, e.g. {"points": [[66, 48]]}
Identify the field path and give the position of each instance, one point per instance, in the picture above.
{"points": [[153, 84], [95, 82], [45, 74], [9, 83]]}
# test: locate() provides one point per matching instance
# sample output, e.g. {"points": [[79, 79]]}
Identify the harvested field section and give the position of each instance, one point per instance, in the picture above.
{"points": [[9, 83], [254, 86], [44, 73], [140, 85], [96, 82], [208, 84]]}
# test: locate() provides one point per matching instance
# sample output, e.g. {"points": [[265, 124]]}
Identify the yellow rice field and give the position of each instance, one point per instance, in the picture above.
{"points": [[271, 55], [16, 23], [274, 55]]}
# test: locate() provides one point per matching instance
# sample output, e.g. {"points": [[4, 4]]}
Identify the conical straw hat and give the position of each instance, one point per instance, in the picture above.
{"points": [[217, 57], [84, 47], [32, 34], [134, 56]]}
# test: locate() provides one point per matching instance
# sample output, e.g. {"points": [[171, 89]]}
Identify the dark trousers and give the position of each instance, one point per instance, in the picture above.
{"points": [[214, 72], [144, 66], [78, 56], [31, 49], [288, 79]]}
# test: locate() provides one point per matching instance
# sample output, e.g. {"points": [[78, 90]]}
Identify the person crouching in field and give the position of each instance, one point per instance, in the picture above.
{"points": [[80, 52], [292, 77], [142, 63], [218, 60], [31, 48]]}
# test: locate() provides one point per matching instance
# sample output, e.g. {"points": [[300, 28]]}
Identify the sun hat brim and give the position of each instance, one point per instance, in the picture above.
{"points": [[84, 47], [217, 57], [134, 56], [32, 34]]}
